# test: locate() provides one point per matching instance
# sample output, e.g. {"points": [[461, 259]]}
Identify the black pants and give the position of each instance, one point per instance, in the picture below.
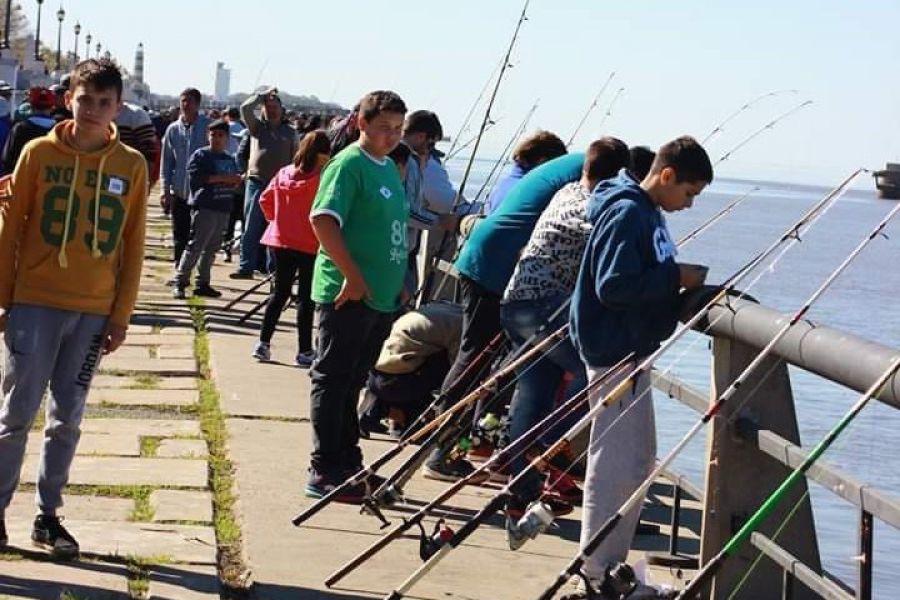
{"points": [[481, 323], [410, 392], [350, 339], [291, 265], [237, 213], [181, 225]]}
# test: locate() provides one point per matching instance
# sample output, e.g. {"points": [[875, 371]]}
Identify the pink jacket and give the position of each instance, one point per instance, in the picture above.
{"points": [[286, 203]]}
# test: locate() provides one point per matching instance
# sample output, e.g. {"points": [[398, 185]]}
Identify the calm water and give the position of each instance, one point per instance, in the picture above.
{"points": [[862, 301]]}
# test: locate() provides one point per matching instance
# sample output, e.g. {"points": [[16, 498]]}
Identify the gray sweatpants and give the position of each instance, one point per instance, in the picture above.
{"points": [[45, 345], [619, 459], [207, 231]]}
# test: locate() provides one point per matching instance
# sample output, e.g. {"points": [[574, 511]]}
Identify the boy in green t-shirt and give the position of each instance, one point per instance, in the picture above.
{"points": [[359, 216]]}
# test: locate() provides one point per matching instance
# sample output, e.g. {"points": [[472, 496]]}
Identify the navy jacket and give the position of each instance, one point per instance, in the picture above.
{"points": [[211, 196], [626, 297]]}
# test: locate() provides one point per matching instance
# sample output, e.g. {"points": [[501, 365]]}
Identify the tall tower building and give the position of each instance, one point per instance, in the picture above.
{"points": [[139, 63], [223, 82]]}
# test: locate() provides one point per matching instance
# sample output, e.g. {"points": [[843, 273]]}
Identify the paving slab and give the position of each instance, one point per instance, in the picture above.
{"points": [[127, 381], [155, 339], [101, 470], [88, 508], [183, 582], [169, 448], [143, 397], [162, 366], [51, 581], [109, 443], [140, 427], [181, 505], [187, 543]]}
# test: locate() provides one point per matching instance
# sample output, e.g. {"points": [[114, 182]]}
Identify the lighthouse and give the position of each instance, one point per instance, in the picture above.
{"points": [[139, 63]]}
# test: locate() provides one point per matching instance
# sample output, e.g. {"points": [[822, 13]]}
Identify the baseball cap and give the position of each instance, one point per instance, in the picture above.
{"points": [[41, 98]]}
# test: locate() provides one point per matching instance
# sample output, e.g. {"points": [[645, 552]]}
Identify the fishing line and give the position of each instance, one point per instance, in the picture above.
{"points": [[590, 108]]}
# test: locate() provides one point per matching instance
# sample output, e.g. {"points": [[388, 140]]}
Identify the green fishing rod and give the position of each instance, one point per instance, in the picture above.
{"points": [[710, 569], [638, 495], [759, 131], [590, 108], [746, 106]]}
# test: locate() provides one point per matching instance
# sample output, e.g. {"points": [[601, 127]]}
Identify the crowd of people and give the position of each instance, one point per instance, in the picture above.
{"points": [[353, 215]]}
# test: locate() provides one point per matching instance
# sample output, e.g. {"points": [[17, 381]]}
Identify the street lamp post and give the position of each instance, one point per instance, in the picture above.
{"points": [[87, 46], [37, 35], [77, 33], [60, 15], [99, 46], [5, 44]]}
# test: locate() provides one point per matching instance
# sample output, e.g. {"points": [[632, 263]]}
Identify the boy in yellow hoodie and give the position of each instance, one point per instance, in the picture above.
{"points": [[71, 251]]}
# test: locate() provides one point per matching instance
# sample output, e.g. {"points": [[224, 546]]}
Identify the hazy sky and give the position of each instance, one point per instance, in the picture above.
{"points": [[685, 66]]}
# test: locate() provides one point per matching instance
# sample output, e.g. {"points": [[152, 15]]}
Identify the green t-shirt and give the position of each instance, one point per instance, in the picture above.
{"points": [[368, 200]]}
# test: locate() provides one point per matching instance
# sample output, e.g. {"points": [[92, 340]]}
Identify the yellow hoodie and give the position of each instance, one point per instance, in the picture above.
{"points": [[72, 232]]}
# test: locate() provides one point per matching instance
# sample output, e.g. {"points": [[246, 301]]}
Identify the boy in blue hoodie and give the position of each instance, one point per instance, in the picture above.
{"points": [[626, 301]]}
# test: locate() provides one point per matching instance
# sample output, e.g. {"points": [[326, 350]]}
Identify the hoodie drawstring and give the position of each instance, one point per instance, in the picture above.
{"points": [[95, 248], [61, 256]]}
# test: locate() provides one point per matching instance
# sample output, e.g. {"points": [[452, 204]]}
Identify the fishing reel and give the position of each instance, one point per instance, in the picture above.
{"points": [[430, 544], [387, 496], [536, 520], [620, 582]]}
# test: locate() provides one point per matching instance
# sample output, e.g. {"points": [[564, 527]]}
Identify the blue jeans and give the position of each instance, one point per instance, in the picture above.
{"points": [[539, 380], [254, 226]]}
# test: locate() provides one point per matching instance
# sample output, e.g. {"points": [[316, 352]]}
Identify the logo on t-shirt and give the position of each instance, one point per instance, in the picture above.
{"points": [[663, 245], [116, 186], [386, 192]]}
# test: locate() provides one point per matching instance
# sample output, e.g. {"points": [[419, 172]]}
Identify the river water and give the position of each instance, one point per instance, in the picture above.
{"points": [[861, 301]]}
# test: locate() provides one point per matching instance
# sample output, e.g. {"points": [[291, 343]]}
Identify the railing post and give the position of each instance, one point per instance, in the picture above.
{"points": [[866, 552], [739, 477], [787, 586]]}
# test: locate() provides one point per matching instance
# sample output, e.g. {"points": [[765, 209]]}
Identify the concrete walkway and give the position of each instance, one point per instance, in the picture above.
{"points": [[141, 494]]}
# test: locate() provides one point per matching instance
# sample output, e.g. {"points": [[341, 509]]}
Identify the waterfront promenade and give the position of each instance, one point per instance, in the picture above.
{"points": [[192, 463]]}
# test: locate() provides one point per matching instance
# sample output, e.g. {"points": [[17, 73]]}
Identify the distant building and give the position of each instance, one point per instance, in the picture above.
{"points": [[136, 89], [223, 82], [139, 64]]}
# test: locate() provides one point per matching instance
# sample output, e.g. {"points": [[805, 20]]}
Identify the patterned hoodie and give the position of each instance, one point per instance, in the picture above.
{"points": [[72, 230]]}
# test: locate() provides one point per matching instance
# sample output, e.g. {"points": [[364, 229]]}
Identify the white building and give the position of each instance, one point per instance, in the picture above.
{"points": [[223, 82]]}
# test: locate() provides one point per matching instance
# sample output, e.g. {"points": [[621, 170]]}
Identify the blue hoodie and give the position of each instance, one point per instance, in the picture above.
{"points": [[489, 256], [626, 297]]}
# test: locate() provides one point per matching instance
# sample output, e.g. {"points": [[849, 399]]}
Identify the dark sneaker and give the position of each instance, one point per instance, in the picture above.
{"points": [[262, 352], [171, 282], [516, 507], [369, 425], [320, 484], [454, 470], [4, 539], [207, 291], [304, 360], [240, 275], [178, 293], [49, 533]]}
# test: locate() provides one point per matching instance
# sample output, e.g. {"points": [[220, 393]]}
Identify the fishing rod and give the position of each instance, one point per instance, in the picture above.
{"points": [[470, 141], [511, 452], [426, 286], [590, 108], [746, 106], [504, 156], [388, 492], [768, 125], [638, 495], [486, 388], [465, 124], [609, 108], [729, 287], [710, 569], [409, 436]]}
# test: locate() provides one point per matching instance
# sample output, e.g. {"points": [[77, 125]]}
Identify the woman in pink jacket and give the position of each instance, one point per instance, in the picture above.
{"points": [[286, 203]]}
